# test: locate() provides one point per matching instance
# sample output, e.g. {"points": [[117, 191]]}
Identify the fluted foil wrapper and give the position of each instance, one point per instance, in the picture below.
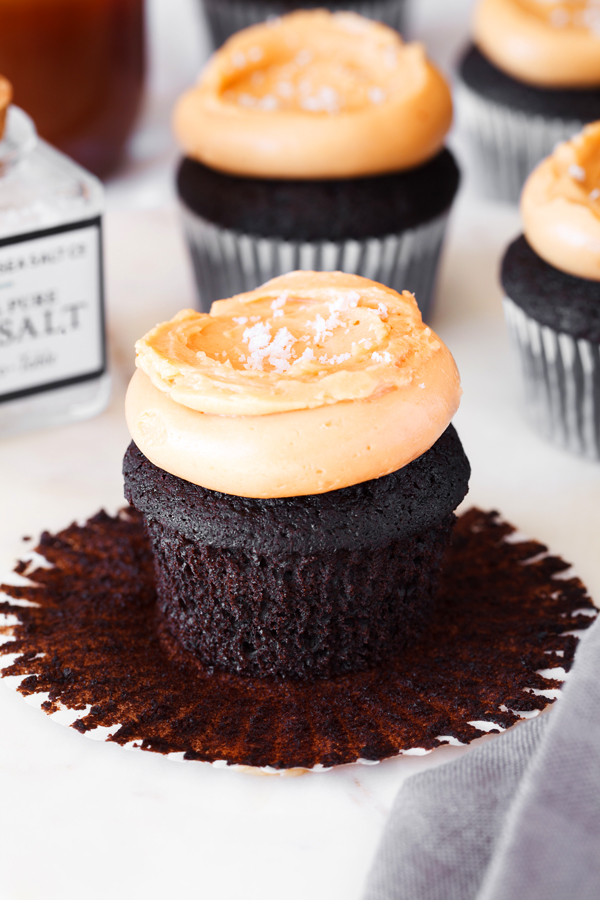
{"points": [[228, 263], [505, 145], [562, 382], [225, 17]]}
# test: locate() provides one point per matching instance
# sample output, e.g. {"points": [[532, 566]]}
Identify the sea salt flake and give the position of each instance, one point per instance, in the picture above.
{"points": [[382, 310], [344, 302], [321, 328], [280, 301], [576, 172], [384, 357], [376, 95], [595, 194], [255, 54], [241, 320], [307, 356], [326, 99], [268, 103]]}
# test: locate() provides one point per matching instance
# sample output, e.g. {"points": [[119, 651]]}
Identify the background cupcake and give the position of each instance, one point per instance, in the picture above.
{"points": [[316, 142], [297, 473], [531, 79], [551, 276], [225, 17]]}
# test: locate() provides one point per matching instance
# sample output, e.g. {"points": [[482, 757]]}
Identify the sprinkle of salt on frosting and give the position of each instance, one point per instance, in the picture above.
{"points": [[376, 95], [278, 303], [577, 173], [275, 349], [326, 99], [384, 357], [307, 356], [342, 303], [595, 194], [334, 360]]}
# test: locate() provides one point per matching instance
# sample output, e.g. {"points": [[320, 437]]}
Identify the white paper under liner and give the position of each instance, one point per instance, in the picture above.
{"points": [[505, 144], [561, 377], [228, 16], [228, 263]]}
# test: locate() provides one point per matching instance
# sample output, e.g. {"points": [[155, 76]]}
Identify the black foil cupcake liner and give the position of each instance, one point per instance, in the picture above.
{"points": [[561, 376], [225, 17], [228, 263], [506, 144]]}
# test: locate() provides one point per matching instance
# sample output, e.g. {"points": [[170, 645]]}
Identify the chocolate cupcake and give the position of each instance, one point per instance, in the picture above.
{"points": [[316, 142], [551, 276], [531, 80], [297, 473], [225, 17]]}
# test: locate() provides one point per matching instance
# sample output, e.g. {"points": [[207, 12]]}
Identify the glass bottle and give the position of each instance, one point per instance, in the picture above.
{"points": [[77, 68], [52, 334]]}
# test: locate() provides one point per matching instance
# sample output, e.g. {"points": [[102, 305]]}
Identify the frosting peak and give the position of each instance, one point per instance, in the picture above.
{"points": [[315, 95], [313, 382], [548, 43], [560, 206]]}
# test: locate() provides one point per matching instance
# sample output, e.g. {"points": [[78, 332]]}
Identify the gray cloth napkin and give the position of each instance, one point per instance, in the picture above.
{"points": [[515, 819]]}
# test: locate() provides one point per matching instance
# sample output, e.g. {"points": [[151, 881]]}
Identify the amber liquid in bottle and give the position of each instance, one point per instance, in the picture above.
{"points": [[77, 68]]}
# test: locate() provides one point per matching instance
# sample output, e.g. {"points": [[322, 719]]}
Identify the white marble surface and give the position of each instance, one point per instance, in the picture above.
{"points": [[88, 819]]}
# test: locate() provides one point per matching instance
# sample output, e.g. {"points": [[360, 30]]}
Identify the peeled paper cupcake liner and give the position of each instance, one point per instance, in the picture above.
{"points": [[506, 144], [228, 263], [225, 17], [562, 382], [81, 639]]}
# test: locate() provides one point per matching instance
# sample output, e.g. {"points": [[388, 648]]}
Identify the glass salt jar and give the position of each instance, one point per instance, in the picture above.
{"points": [[52, 334]]}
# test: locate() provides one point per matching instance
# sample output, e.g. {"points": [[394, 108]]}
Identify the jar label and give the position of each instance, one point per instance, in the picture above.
{"points": [[51, 309]]}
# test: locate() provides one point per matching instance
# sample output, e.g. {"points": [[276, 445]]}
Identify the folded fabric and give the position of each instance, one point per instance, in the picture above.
{"points": [[517, 818]]}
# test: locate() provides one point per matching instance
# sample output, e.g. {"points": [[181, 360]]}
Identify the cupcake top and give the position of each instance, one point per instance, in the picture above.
{"points": [[560, 205], [546, 43], [5, 98], [313, 382], [315, 95]]}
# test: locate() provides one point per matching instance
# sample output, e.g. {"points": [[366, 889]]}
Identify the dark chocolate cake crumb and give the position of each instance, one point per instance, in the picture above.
{"points": [[564, 302], [360, 517], [92, 639], [321, 210], [487, 80]]}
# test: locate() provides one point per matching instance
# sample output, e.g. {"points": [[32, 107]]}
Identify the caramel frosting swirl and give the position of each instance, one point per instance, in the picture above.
{"points": [[315, 95], [313, 382], [546, 43], [560, 206]]}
